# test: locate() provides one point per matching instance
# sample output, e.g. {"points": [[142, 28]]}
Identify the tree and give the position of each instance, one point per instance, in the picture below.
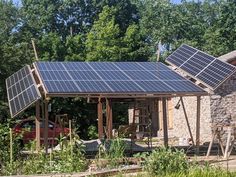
{"points": [[103, 41], [75, 46], [220, 36], [134, 45], [51, 47]]}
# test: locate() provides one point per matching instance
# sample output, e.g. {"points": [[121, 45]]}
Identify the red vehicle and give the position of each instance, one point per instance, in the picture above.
{"points": [[27, 127]]}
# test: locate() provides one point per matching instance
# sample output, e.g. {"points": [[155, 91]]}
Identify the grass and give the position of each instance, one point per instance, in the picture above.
{"points": [[193, 172]]}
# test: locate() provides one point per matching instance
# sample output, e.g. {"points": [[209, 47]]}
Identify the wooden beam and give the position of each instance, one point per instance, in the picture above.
{"points": [[100, 120], [109, 118], [165, 122], [37, 125], [186, 118], [198, 124], [46, 126]]}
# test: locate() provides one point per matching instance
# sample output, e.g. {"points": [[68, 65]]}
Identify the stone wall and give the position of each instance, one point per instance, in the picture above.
{"points": [[180, 128], [223, 102], [217, 107]]}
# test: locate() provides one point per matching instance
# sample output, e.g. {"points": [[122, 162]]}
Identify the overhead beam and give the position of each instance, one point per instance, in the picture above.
{"points": [[165, 126], [100, 119], [124, 95], [37, 125]]}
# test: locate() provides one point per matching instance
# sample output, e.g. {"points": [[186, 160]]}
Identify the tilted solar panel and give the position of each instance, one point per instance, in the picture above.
{"points": [[112, 77], [201, 66], [21, 90]]}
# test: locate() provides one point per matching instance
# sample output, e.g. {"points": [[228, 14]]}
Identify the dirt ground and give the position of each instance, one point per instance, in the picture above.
{"points": [[219, 161]]}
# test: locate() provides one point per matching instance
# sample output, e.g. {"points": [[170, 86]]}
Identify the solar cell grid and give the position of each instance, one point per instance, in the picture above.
{"points": [[155, 86], [94, 87], [166, 75], [21, 90], [128, 66], [141, 75], [153, 66], [183, 86], [104, 66], [124, 86], [201, 66], [113, 77], [84, 75], [76, 66]]}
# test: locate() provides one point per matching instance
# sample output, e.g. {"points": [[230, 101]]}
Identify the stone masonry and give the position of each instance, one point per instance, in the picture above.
{"points": [[217, 107]]}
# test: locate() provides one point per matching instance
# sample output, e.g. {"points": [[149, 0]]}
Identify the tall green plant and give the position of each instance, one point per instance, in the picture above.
{"points": [[164, 161]]}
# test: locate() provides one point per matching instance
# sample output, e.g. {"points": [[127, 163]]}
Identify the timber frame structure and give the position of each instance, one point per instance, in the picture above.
{"points": [[107, 100]]}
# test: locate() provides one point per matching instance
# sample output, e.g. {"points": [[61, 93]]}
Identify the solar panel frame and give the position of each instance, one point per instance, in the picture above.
{"points": [[107, 76], [202, 74], [23, 92]]}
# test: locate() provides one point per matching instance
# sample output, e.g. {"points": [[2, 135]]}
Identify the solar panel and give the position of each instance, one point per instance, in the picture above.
{"points": [[21, 90], [112, 77], [201, 66]]}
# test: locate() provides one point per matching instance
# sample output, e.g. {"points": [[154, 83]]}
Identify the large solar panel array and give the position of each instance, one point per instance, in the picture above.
{"points": [[21, 90], [201, 66], [112, 77]]}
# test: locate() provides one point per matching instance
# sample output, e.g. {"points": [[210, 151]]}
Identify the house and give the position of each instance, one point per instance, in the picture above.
{"points": [[218, 106]]}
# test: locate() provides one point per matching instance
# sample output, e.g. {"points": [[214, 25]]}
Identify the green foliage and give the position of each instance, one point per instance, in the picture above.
{"points": [[92, 132], [103, 41], [69, 159], [5, 144], [75, 48], [166, 161], [112, 151]]}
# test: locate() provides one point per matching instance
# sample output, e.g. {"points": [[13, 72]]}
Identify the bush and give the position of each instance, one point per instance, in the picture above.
{"points": [[166, 161]]}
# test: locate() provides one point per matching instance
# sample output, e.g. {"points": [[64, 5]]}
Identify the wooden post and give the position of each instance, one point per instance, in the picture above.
{"points": [[71, 147], [229, 131], [154, 111], [198, 124], [109, 118], [165, 126], [37, 126], [11, 147], [100, 119], [186, 118], [46, 126], [35, 51]]}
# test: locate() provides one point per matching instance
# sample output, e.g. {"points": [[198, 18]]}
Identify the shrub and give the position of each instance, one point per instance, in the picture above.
{"points": [[114, 152], [166, 161]]}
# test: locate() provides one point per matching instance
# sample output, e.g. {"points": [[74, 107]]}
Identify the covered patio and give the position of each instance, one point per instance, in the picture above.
{"points": [[148, 83]]}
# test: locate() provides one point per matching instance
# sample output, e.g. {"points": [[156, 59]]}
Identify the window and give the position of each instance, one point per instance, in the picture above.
{"points": [[28, 125]]}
